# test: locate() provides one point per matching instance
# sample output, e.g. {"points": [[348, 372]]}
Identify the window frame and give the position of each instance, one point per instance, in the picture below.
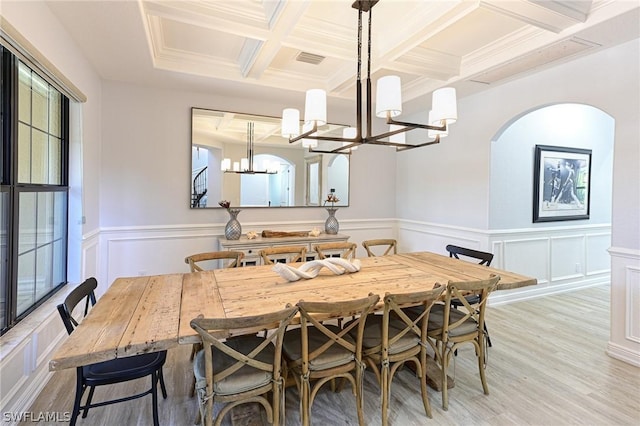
{"points": [[9, 184]]}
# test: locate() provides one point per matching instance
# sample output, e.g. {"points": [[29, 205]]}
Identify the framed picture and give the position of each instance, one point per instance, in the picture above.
{"points": [[561, 183]]}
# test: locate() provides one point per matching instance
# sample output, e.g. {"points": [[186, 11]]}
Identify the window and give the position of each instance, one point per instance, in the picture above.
{"points": [[33, 191]]}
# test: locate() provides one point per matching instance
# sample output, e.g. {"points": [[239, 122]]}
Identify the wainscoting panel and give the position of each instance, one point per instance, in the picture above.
{"points": [[597, 244], [568, 257], [632, 280], [560, 258], [624, 343]]}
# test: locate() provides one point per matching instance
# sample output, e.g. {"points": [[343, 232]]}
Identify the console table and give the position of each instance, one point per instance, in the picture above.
{"points": [[251, 248]]}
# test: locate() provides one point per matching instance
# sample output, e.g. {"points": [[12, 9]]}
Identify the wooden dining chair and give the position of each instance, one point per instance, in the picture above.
{"points": [[113, 371], [243, 368], [485, 259], [322, 352], [234, 258], [388, 245], [449, 328], [394, 338], [344, 250], [283, 254]]}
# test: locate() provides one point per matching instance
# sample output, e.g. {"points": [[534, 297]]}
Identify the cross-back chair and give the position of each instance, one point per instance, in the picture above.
{"points": [[234, 258], [449, 327], [323, 352], [241, 369], [485, 259], [117, 370], [393, 338], [345, 250], [388, 245], [283, 254]]}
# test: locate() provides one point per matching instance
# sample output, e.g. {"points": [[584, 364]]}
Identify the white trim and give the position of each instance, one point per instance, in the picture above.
{"points": [[623, 354]]}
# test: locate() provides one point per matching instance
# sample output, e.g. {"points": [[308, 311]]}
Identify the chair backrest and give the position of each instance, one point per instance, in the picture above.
{"points": [[235, 257], [85, 291], [388, 245], [239, 326], [288, 254], [484, 257], [345, 250], [313, 313], [471, 299], [394, 305]]}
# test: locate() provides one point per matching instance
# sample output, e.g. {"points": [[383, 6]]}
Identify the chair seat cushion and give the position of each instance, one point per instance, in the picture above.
{"points": [[335, 356], [436, 321], [124, 369], [243, 380], [373, 334]]}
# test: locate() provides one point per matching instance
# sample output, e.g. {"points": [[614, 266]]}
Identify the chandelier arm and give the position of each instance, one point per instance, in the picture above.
{"points": [[333, 151], [406, 147], [410, 126], [305, 134]]}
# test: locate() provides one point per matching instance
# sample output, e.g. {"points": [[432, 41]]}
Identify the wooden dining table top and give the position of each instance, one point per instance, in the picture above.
{"points": [[153, 313]]}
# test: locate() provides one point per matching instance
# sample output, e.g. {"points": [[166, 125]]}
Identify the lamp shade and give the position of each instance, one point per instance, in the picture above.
{"points": [[315, 107], [244, 164], [398, 137], [225, 164], [389, 96], [290, 122], [434, 133], [309, 143], [444, 105], [349, 133]]}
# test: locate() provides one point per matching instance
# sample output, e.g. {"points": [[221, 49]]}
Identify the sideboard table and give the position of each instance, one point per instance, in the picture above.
{"points": [[251, 248]]}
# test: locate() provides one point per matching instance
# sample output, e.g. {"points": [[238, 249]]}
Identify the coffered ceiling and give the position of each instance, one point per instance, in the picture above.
{"points": [[264, 47]]}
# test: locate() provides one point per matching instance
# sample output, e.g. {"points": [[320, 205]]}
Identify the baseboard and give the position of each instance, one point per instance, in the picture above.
{"points": [[623, 354]]}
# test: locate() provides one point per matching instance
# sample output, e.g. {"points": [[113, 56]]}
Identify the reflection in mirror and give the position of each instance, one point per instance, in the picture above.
{"points": [[285, 175]]}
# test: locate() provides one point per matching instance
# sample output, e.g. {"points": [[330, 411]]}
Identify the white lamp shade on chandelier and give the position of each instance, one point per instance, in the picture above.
{"points": [[389, 96], [315, 107], [290, 122], [444, 106], [225, 164]]}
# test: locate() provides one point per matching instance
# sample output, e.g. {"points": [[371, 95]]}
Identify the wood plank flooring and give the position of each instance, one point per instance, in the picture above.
{"points": [[547, 367]]}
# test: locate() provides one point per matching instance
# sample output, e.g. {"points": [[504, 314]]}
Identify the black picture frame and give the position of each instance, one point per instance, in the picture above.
{"points": [[561, 183]]}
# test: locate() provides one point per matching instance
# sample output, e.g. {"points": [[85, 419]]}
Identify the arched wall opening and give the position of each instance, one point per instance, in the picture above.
{"points": [[512, 162]]}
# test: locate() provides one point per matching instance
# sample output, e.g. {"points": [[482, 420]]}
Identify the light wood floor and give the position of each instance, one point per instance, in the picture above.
{"points": [[547, 367]]}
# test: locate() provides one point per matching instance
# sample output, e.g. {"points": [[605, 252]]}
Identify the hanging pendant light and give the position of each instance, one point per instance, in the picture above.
{"points": [[388, 106], [245, 165]]}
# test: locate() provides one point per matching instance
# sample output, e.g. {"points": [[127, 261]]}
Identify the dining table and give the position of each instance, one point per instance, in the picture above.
{"points": [[153, 313]]}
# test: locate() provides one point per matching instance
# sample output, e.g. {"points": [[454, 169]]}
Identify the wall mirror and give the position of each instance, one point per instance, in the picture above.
{"points": [[244, 159]]}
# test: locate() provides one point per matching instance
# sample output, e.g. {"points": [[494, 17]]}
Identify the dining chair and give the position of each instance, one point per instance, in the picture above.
{"points": [[241, 368], [457, 251], [393, 338], [449, 328], [344, 250], [235, 261], [485, 259], [388, 245], [235, 258], [113, 371], [283, 254], [323, 352]]}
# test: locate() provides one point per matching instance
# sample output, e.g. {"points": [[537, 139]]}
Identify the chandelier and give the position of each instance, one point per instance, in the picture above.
{"points": [[245, 165], [388, 105]]}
